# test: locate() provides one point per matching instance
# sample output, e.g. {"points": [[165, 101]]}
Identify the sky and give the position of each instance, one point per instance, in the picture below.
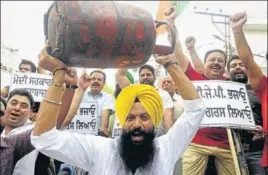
{"points": [[22, 24]]}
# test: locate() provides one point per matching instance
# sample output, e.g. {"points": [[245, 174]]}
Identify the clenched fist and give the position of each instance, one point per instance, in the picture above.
{"points": [[170, 14], [47, 61], [84, 80], [190, 42], [237, 21]]}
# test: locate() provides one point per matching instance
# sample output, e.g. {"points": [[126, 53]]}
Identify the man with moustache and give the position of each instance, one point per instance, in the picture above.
{"points": [[139, 110], [147, 76], [207, 141], [252, 146], [96, 81], [258, 81]]}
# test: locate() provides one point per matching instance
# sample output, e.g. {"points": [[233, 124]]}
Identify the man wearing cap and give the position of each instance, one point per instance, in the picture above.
{"points": [[139, 110]]}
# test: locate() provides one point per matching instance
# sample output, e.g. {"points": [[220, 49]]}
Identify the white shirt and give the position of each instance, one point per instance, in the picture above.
{"points": [[166, 99], [104, 101], [100, 155]]}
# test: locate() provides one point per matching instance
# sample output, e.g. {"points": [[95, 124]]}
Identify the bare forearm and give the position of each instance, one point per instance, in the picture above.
{"points": [[243, 48], [48, 112], [121, 78], [197, 63], [105, 119], [253, 70], [168, 118], [77, 99], [180, 56], [66, 99], [185, 87]]}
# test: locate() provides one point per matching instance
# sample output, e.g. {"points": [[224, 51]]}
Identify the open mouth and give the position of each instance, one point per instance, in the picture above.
{"points": [[239, 75], [14, 116], [95, 85], [215, 68]]}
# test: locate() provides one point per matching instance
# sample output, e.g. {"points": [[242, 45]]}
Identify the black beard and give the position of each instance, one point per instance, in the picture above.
{"points": [[243, 80], [150, 82], [137, 155]]}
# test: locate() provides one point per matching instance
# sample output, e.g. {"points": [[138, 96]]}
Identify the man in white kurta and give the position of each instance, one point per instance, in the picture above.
{"points": [[139, 109], [100, 155]]}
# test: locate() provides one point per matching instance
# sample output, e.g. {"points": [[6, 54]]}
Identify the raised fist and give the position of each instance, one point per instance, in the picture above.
{"points": [[49, 62], [84, 80], [237, 21], [190, 42], [170, 14]]}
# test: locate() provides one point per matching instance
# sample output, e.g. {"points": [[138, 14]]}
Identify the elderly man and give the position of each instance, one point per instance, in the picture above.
{"points": [[139, 109]]}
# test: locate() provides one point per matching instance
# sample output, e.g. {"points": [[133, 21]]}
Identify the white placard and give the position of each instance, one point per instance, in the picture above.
{"points": [[85, 121], [227, 104], [36, 84], [117, 130]]}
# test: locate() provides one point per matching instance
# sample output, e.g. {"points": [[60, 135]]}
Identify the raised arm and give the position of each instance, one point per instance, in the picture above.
{"points": [[197, 63], [76, 149], [170, 15], [182, 132], [50, 105], [67, 96], [83, 84], [121, 78], [254, 72]]}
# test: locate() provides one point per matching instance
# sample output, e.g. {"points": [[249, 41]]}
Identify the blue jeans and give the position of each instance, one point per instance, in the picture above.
{"points": [[254, 163]]}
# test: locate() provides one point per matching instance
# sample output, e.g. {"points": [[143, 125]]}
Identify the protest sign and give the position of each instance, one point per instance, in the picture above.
{"points": [[36, 84], [85, 121], [117, 130], [227, 104]]}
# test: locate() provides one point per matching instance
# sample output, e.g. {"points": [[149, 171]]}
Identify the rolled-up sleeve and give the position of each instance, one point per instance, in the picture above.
{"points": [[76, 149], [179, 136]]}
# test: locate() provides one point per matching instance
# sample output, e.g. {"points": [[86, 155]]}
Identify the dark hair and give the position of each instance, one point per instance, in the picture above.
{"points": [[117, 90], [215, 50], [149, 67], [33, 67], [4, 102], [234, 57], [101, 72], [22, 92]]}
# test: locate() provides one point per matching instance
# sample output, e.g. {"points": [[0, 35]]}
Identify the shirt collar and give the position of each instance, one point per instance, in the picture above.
{"points": [[175, 97], [100, 94], [4, 143], [4, 134]]}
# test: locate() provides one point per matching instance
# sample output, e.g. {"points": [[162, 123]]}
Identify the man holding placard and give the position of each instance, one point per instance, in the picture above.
{"points": [[95, 106], [211, 140], [24, 67]]}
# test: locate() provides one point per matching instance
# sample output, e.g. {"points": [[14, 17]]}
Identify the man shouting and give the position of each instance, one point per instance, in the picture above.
{"points": [[139, 110]]}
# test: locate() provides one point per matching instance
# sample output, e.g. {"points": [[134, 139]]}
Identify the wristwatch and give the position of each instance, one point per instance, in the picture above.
{"points": [[71, 86]]}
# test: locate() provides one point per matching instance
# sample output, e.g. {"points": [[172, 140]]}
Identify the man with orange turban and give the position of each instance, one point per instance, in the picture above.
{"points": [[139, 109]]}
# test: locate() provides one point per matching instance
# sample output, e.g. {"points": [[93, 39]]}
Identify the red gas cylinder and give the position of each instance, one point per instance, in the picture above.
{"points": [[102, 34]]}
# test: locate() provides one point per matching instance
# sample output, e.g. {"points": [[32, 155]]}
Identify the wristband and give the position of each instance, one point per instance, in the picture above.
{"points": [[167, 64]]}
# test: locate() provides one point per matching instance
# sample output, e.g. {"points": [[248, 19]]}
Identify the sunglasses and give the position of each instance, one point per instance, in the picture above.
{"points": [[2, 113]]}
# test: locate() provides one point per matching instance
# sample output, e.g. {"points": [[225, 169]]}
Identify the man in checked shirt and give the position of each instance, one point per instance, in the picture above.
{"points": [[19, 105]]}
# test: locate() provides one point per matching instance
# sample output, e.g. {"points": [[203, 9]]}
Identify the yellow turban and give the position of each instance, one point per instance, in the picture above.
{"points": [[147, 95]]}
